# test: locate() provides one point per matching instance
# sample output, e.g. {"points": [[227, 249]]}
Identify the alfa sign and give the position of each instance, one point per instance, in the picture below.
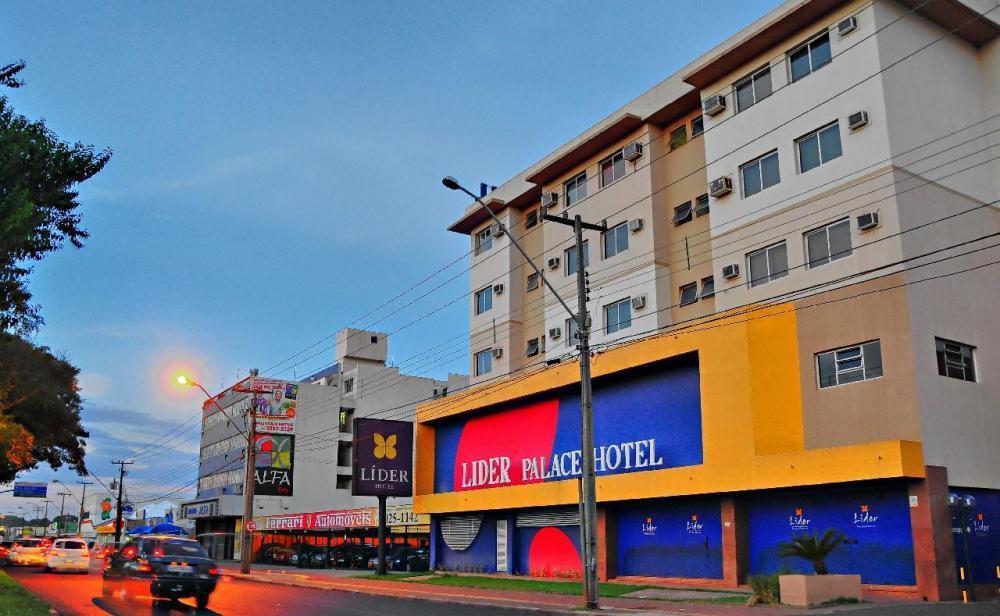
{"points": [[383, 458], [30, 489]]}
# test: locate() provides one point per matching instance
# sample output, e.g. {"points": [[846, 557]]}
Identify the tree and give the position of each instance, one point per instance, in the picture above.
{"points": [[40, 405], [38, 202], [813, 548]]}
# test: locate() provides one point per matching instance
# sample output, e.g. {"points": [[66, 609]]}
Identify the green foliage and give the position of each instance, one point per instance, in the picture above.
{"points": [[38, 202], [14, 599], [38, 393], [764, 589], [814, 548]]}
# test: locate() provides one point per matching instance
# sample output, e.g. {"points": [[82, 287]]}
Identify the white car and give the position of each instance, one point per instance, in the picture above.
{"points": [[27, 552], [68, 555]]}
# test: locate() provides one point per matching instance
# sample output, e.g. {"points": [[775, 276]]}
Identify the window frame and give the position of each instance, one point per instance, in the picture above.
{"points": [[572, 251], [825, 230], [531, 352], [702, 205], [483, 241], [683, 213], [577, 181], [676, 142], [349, 385], [863, 368], [770, 277], [941, 351], [819, 146], [752, 80], [807, 45], [693, 286], [612, 159], [697, 121], [488, 355], [614, 232], [759, 162], [487, 293], [572, 328], [537, 279], [618, 323], [707, 280], [531, 218]]}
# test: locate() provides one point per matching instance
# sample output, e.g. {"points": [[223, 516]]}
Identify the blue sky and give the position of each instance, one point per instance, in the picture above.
{"points": [[276, 171]]}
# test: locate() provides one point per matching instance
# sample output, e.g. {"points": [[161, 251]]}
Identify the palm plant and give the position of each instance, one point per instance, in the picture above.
{"points": [[814, 548]]}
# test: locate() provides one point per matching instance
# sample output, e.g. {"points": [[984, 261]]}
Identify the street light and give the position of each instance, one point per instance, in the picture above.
{"points": [[962, 506]]}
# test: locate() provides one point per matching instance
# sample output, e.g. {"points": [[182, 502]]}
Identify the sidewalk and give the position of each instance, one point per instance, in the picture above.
{"points": [[331, 579]]}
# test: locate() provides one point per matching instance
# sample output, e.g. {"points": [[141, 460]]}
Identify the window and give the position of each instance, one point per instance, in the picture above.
{"points": [[701, 205], [484, 300], [830, 243], [678, 137], [533, 282], [576, 189], [760, 173], [707, 287], [484, 362], [955, 360], [753, 89], [768, 264], [572, 329], [615, 240], [697, 126], [682, 214], [343, 482], [811, 56], [618, 315], [348, 385], [850, 364], [570, 258], [345, 420], [484, 241], [689, 294], [819, 147], [533, 347], [612, 168], [531, 219]]}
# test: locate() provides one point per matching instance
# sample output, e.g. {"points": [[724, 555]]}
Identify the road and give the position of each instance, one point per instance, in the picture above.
{"points": [[76, 594]]}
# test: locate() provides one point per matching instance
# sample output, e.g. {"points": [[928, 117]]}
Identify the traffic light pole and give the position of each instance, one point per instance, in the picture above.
{"points": [[246, 537]]}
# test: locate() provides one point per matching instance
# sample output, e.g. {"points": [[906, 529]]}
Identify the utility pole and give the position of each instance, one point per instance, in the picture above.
{"points": [[121, 487], [83, 499], [588, 491], [246, 537], [62, 508], [45, 520]]}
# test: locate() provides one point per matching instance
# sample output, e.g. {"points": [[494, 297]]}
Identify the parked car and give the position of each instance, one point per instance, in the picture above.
{"points": [[395, 558], [164, 566], [284, 556], [314, 557], [27, 552], [417, 560], [68, 555], [4, 550], [351, 556]]}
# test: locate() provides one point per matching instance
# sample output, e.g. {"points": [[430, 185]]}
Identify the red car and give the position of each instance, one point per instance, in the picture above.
{"points": [[4, 551]]}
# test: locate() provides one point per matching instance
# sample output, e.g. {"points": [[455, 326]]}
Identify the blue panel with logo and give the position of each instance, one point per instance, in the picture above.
{"points": [[479, 557], [671, 538], [879, 541], [984, 535]]}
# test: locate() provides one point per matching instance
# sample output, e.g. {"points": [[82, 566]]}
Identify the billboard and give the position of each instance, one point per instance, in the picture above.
{"points": [[321, 520], [30, 489], [383, 458], [274, 403], [273, 464]]}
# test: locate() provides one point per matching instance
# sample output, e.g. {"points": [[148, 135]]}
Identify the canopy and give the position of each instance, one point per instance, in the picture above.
{"points": [[167, 529], [139, 530]]}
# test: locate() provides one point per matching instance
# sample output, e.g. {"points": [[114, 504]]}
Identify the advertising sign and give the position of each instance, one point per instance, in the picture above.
{"points": [[322, 520], [106, 507], [403, 515], [274, 404], [30, 489], [383, 458], [273, 464]]}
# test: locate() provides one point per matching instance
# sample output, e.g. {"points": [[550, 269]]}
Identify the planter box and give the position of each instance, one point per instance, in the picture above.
{"points": [[806, 590]]}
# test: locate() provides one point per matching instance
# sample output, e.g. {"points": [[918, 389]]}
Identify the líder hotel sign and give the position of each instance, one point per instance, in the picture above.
{"points": [[383, 458]]}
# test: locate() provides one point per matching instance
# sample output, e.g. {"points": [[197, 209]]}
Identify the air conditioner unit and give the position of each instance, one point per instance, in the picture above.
{"points": [[497, 353], [714, 104], [550, 199], [555, 333], [720, 186], [857, 120], [633, 151], [731, 271], [554, 263], [847, 26], [496, 230], [498, 288], [635, 225], [867, 221], [638, 303]]}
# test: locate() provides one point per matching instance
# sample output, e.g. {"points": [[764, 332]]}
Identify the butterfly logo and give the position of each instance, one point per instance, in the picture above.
{"points": [[694, 518], [798, 511], [649, 520], [864, 508], [385, 446], [980, 517]]}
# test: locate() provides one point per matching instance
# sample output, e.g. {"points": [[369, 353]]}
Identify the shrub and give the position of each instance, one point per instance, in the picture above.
{"points": [[813, 548], [765, 589]]}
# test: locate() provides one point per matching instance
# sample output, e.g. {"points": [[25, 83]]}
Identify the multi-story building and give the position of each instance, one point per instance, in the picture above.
{"points": [[792, 315], [359, 384]]}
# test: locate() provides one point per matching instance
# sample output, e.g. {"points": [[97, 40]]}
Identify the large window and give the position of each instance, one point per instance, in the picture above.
{"points": [[618, 315], [707, 287], [572, 329], [576, 189], [678, 137], [819, 147], [829, 243], [484, 300], [689, 294], [533, 281], [612, 168], [484, 362], [760, 173], [811, 56], [753, 89], [849, 365], [768, 264], [615, 240], [483, 240], [701, 206], [570, 258], [955, 360], [682, 214], [697, 126], [533, 348], [531, 219]]}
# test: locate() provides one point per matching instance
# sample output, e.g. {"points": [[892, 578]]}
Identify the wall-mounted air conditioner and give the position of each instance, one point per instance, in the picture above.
{"points": [[498, 288], [555, 333], [496, 230], [638, 303], [867, 221], [497, 353], [554, 263], [550, 199], [846, 26], [635, 225], [714, 104], [857, 120], [720, 186], [731, 271], [633, 151]]}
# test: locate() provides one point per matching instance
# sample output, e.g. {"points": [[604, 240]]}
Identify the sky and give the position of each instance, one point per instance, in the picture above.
{"points": [[276, 177]]}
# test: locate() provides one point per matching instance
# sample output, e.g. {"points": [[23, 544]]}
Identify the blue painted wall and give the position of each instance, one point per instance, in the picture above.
{"points": [[481, 556], [984, 538], [880, 543], [661, 538]]}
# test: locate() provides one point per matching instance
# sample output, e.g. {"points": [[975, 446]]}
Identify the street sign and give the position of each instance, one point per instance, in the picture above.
{"points": [[30, 489], [251, 526], [128, 509]]}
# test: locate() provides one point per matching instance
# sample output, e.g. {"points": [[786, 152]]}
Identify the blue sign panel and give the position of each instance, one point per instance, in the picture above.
{"points": [[27, 489], [671, 538], [878, 543], [984, 535], [646, 419]]}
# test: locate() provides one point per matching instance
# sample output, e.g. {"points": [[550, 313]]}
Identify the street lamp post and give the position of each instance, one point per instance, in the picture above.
{"points": [[62, 508], [961, 507], [588, 491]]}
